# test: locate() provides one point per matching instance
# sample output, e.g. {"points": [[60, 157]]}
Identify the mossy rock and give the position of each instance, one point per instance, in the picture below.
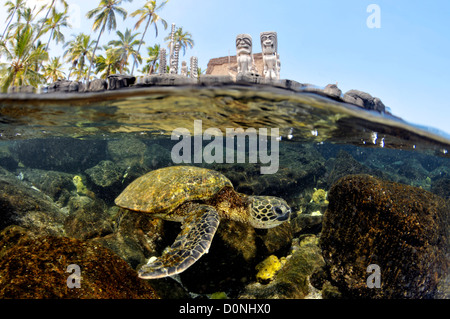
{"points": [[402, 229], [37, 268]]}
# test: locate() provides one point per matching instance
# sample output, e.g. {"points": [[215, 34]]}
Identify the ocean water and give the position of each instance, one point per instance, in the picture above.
{"points": [[292, 145]]}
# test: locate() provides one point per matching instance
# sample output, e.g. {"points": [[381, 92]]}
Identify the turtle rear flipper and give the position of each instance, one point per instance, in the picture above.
{"points": [[192, 242]]}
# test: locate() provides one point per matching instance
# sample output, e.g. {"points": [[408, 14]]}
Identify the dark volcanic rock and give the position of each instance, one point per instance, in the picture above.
{"points": [[333, 91], [345, 164], [104, 174], [65, 86], [88, 218], [60, 154], [364, 100], [118, 81], [402, 229], [37, 267], [54, 184], [235, 251], [20, 204], [98, 85]]}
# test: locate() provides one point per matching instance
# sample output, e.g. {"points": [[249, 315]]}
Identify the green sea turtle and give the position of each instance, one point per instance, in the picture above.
{"points": [[199, 198]]}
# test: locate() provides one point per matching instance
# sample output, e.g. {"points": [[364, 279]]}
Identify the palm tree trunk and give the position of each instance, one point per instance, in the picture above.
{"points": [[49, 39], [139, 47], [45, 19], [93, 55], [9, 22]]}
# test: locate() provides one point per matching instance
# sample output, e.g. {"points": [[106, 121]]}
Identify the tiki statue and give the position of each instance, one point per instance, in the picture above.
{"points": [[271, 58], [244, 53]]}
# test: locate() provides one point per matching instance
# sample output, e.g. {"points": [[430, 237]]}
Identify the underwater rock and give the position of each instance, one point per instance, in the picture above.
{"points": [[38, 268], [127, 151], [24, 205], [441, 187], [107, 176], [268, 268], [59, 154], [136, 236], [88, 218], [292, 280], [402, 229], [53, 183], [307, 223], [300, 167], [157, 156], [7, 160], [345, 164], [235, 251]]}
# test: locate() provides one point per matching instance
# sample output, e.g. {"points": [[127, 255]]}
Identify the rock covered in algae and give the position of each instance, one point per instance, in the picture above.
{"points": [[105, 174], [23, 204], [59, 154], [268, 268], [235, 251], [292, 280], [37, 267], [402, 229], [88, 218]]}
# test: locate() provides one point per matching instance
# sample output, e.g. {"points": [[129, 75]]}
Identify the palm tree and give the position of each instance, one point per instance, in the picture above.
{"points": [[184, 39], [53, 70], [153, 57], [110, 64], [12, 9], [148, 12], [125, 47], [50, 8], [105, 16], [79, 49], [54, 24], [23, 57], [28, 15]]}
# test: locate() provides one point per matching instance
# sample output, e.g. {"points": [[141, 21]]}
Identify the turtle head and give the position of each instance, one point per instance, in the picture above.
{"points": [[268, 211]]}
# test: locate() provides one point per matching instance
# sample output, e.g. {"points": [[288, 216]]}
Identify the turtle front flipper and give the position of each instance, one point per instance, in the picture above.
{"points": [[192, 242]]}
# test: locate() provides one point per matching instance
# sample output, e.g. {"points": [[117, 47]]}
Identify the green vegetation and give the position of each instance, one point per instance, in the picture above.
{"points": [[29, 32]]}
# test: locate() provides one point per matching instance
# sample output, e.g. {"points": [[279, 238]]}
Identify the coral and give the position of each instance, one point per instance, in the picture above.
{"points": [[319, 196], [81, 188], [291, 280], [268, 268]]}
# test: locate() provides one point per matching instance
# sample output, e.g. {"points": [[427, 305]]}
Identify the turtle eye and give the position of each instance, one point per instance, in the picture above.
{"points": [[278, 210]]}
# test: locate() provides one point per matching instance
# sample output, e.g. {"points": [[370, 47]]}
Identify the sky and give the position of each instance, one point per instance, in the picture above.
{"points": [[398, 51]]}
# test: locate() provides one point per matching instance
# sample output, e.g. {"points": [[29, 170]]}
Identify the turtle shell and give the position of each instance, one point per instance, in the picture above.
{"points": [[164, 189]]}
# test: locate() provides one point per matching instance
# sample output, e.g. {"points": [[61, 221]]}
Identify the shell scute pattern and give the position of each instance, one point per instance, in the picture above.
{"points": [[165, 189]]}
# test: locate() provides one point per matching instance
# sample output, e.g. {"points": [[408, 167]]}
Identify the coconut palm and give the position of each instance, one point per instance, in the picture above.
{"points": [[110, 63], [23, 57], [25, 19], [12, 10], [104, 17], [78, 50], [125, 48], [183, 38], [53, 70], [54, 24], [51, 7], [148, 13], [151, 61]]}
